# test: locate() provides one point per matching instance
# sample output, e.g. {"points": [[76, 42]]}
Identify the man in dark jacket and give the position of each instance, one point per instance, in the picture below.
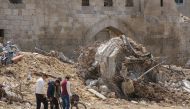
{"points": [[53, 93]]}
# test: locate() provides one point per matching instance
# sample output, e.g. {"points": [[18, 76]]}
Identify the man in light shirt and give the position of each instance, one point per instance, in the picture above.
{"points": [[66, 92], [41, 92]]}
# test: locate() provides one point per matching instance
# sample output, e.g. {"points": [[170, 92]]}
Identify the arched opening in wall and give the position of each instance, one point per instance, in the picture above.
{"points": [[106, 34], [15, 1], [85, 3], [129, 3], [108, 3]]}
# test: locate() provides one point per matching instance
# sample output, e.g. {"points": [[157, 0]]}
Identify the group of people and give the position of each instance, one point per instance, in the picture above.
{"points": [[56, 89]]}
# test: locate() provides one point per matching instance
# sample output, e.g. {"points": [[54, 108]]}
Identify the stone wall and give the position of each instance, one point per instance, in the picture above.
{"points": [[65, 25], [184, 8]]}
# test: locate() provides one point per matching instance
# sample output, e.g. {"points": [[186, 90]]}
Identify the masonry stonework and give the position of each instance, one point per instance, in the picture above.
{"points": [[65, 25]]}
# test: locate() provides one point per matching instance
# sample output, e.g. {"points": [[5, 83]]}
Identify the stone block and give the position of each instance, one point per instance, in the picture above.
{"points": [[2, 12], [16, 6], [11, 17], [27, 17], [15, 22], [2, 17], [6, 31], [27, 28], [4, 5], [26, 22], [9, 27], [8, 36], [7, 11], [15, 12], [2, 26], [30, 6], [27, 12], [3, 22]]}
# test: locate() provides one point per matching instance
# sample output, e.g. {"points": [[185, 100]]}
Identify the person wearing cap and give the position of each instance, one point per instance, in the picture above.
{"points": [[41, 93], [66, 92]]}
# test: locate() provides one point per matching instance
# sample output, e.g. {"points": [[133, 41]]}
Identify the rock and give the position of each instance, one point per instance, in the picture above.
{"points": [[95, 88], [143, 102], [29, 76], [104, 93], [93, 83], [88, 81], [127, 87], [27, 106], [97, 94], [135, 102], [104, 88], [19, 107], [4, 99], [100, 81], [111, 95]]}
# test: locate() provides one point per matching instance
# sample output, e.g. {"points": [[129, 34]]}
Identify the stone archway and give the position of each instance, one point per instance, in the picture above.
{"points": [[106, 34], [114, 24]]}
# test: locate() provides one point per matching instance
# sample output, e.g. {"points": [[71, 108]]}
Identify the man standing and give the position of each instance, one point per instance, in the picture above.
{"points": [[53, 93], [41, 93], [66, 92]]}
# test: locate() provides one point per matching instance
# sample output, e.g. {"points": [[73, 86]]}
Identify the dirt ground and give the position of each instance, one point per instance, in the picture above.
{"points": [[103, 105], [129, 105]]}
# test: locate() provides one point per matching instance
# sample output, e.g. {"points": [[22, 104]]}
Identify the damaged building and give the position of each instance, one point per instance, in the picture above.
{"points": [[64, 25]]}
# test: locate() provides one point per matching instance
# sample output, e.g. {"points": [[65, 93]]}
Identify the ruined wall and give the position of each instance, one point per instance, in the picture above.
{"points": [[65, 25]]}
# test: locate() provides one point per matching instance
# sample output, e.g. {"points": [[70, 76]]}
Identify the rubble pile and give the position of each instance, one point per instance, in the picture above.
{"points": [[125, 68], [159, 93], [86, 65], [18, 80], [56, 54]]}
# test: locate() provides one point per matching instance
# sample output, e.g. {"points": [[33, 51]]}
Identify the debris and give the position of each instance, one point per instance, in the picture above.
{"points": [[18, 88], [29, 77], [127, 87], [150, 70], [17, 58], [63, 58], [111, 95], [10, 54], [186, 85], [104, 89], [184, 18], [128, 70], [135, 102], [56, 54], [97, 94]]}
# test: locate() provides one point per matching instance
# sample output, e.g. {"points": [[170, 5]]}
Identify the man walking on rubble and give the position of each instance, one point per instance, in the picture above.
{"points": [[66, 92], [41, 93]]}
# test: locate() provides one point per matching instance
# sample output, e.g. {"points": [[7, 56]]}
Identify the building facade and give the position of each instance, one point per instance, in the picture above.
{"points": [[183, 7], [65, 25]]}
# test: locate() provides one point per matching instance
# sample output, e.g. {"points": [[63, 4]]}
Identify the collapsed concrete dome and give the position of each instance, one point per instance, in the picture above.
{"points": [[108, 55], [124, 67], [65, 25]]}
